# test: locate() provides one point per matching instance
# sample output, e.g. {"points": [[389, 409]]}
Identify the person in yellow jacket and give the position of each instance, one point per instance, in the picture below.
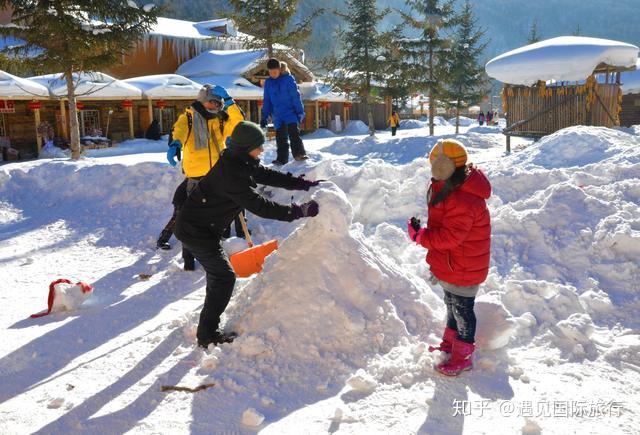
{"points": [[200, 132], [199, 136], [394, 122]]}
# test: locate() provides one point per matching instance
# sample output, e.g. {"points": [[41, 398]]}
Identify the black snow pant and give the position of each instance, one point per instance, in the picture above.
{"points": [[220, 282], [283, 135], [460, 316], [238, 225], [179, 197], [393, 131]]}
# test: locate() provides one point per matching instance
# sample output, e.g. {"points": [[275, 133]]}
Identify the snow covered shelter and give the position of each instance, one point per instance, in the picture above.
{"points": [[561, 82]]}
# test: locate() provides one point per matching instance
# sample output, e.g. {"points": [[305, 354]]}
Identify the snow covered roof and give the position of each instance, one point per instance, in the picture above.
{"points": [[165, 86], [17, 88], [173, 28], [235, 62], [631, 81], [237, 86], [314, 91], [565, 58], [91, 86]]}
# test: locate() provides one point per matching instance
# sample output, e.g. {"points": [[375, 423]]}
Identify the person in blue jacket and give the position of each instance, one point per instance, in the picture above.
{"points": [[283, 103]]}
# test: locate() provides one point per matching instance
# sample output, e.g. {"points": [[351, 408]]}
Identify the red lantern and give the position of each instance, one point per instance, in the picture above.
{"points": [[127, 104], [325, 104], [347, 105], [34, 105], [161, 104], [79, 105], [260, 103]]}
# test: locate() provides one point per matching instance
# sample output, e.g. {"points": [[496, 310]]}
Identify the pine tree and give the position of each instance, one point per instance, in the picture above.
{"points": [[268, 23], [361, 56], [467, 81], [72, 37], [428, 51], [394, 71], [534, 36]]}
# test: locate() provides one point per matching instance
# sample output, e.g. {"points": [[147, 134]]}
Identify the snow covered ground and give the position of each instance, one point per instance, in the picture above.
{"points": [[334, 331]]}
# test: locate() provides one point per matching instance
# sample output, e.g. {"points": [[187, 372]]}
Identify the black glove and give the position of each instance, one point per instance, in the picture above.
{"points": [[308, 209], [263, 123], [302, 184]]}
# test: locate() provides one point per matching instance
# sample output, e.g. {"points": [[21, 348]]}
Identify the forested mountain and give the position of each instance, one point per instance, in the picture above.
{"points": [[507, 22]]}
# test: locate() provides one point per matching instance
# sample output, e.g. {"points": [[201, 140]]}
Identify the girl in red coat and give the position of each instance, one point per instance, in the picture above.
{"points": [[458, 237]]}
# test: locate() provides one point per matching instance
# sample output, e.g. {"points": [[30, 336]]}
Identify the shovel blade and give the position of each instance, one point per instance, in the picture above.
{"points": [[246, 263]]}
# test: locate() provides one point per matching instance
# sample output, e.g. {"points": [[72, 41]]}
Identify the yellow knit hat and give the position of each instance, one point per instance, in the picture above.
{"points": [[445, 157]]}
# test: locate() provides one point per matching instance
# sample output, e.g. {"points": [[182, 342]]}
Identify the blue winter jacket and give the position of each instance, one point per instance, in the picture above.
{"points": [[282, 101]]}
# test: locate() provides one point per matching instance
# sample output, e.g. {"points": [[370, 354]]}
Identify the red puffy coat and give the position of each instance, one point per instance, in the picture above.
{"points": [[458, 233]]}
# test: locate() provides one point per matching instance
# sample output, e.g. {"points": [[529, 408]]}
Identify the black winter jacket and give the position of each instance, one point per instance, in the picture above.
{"points": [[228, 188]]}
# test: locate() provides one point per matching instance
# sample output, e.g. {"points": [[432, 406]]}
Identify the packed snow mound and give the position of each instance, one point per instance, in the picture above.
{"points": [[580, 146], [491, 129], [409, 124], [463, 121], [321, 133], [343, 303], [356, 128], [563, 59]]}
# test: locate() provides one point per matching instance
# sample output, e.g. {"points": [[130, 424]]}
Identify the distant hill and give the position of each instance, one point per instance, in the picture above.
{"points": [[507, 21]]}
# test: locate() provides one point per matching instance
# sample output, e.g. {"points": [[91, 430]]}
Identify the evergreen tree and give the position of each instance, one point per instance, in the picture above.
{"points": [[360, 59], [429, 50], [394, 71], [467, 82], [74, 36], [534, 36], [267, 21]]}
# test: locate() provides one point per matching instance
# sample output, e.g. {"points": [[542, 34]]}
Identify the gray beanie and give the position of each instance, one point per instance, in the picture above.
{"points": [[206, 94], [246, 137]]}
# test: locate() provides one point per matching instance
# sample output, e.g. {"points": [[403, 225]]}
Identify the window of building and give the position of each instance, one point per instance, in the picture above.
{"points": [[90, 123], [167, 119]]}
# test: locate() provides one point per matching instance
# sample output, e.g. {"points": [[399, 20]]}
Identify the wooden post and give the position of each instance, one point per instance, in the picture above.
{"points": [[344, 116], [317, 115], [63, 120], [508, 144], [36, 112], [131, 133], [150, 108]]}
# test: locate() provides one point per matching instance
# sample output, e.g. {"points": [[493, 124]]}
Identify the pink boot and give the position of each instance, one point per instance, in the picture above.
{"points": [[447, 340], [460, 359]]}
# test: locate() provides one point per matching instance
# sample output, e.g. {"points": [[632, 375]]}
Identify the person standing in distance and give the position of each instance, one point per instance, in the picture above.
{"points": [[282, 101]]}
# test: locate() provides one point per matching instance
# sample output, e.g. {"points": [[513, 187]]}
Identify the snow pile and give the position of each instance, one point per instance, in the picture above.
{"points": [[408, 124], [563, 59], [356, 128], [306, 331], [321, 133], [463, 121], [580, 146]]}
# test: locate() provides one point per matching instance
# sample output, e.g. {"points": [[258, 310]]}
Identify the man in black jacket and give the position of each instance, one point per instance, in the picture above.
{"points": [[228, 188]]}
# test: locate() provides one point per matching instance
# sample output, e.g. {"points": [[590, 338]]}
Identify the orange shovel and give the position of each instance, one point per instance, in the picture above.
{"points": [[246, 263]]}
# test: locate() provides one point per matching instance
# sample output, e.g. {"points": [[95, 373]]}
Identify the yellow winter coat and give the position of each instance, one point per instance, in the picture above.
{"points": [[196, 163], [394, 121]]}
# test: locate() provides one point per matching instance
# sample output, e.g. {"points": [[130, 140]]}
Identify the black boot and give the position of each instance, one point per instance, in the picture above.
{"points": [[163, 240], [218, 337]]}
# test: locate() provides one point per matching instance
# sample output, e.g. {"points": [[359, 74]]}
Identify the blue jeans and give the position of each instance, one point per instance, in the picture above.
{"points": [[460, 316]]}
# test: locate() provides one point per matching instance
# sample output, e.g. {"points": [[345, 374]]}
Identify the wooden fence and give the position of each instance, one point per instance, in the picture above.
{"points": [[538, 110]]}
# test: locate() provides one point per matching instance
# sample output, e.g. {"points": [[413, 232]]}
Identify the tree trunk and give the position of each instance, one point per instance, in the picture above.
{"points": [[74, 128], [432, 101], [457, 116], [372, 126]]}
